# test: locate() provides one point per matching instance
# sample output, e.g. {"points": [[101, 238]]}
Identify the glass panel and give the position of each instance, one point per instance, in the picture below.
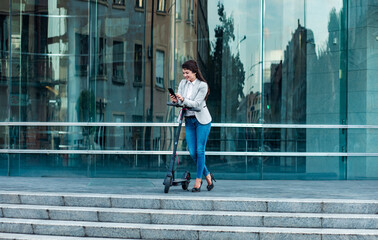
{"points": [[266, 62], [131, 138], [136, 166], [325, 45], [304, 168], [4, 86], [43, 89], [4, 59], [284, 63], [233, 67], [233, 167], [116, 88], [42, 34], [4, 164], [362, 85], [56, 7], [155, 166], [51, 165], [362, 168], [5, 66]]}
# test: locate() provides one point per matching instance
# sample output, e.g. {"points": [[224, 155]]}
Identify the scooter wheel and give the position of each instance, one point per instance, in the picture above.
{"points": [[167, 184], [186, 176], [166, 188], [185, 185]]}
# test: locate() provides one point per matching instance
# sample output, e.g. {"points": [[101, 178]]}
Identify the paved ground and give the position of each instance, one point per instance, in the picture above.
{"points": [[363, 190]]}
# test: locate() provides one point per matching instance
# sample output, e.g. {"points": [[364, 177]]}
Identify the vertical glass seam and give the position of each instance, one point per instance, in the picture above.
{"points": [[262, 86], [346, 81], [9, 78]]}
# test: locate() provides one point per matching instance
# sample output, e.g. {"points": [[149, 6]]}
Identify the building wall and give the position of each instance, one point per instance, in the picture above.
{"points": [[83, 87]]}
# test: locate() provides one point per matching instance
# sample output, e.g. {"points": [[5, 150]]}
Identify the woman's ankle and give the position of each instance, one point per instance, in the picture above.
{"points": [[198, 182], [208, 179]]}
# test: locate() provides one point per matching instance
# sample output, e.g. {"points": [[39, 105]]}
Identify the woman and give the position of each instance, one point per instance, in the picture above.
{"points": [[193, 92]]}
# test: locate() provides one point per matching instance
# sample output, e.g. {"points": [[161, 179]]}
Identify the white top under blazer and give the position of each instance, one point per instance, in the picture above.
{"points": [[196, 99]]}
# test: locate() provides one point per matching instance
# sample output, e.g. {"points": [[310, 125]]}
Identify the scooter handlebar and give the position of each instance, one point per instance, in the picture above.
{"points": [[172, 104]]}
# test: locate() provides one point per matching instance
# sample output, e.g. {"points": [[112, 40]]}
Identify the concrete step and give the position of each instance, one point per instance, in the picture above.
{"points": [[192, 203], [159, 231], [14, 236], [190, 217]]}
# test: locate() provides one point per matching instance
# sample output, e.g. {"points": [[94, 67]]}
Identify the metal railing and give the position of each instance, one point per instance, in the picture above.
{"points": [[209, 153]]}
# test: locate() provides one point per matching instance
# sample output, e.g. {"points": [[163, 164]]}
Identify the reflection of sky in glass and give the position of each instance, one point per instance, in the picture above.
{"points": [[317, 17], [246, 15], [281, 20]]}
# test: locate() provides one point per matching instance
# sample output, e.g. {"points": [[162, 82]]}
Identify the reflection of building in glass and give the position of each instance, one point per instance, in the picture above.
{"points": [[293, 108], [203, 45], [273, 102], [118, 84], [191, 38], [285, 101], [157, 35], [192, 34], [325, 87], [250, 109]]}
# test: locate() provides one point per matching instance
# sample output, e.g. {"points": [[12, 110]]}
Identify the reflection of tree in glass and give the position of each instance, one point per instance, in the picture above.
{"points": [[226, 71]]}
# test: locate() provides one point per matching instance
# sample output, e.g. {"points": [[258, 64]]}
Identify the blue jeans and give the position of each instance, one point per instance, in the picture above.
{"points": [[196, 138]]}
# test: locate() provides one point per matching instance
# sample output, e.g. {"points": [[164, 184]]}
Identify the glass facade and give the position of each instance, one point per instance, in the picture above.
{"points": [[293, 86]]}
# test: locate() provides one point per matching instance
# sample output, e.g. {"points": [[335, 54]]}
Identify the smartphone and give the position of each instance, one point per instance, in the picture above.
{"points": [[172, 92]]}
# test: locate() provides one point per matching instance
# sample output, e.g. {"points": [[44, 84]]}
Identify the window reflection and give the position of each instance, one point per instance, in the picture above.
{"points": [[82, 54], [178, 9], [119, 2], [118, 62], [101, 54], [139, 4], [160, 68], [161, 5], [138, 63], [190, 11]]}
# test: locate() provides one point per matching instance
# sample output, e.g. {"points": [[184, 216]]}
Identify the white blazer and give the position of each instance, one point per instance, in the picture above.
{"points": [[197, 99]]}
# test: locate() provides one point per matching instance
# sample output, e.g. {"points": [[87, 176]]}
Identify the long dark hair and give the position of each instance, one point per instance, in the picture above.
{"points": [[193, 66]]}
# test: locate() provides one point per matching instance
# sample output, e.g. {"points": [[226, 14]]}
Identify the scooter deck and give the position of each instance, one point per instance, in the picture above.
{"points": [[178, 181]]}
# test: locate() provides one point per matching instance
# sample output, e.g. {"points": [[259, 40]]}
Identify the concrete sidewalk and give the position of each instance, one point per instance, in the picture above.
{"points": [[361, 190]]}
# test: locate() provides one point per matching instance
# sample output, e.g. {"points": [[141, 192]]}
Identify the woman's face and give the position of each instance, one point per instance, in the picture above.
{"points": [[189, 75]]}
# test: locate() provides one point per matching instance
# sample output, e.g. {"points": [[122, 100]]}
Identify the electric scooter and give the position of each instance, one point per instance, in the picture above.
{"points": [[170, 179]]}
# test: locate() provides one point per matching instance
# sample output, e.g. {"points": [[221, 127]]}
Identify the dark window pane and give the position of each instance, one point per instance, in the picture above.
{"points": [[119, 2], [118, 62], [81, 54], [138, 63], [139, 3]]}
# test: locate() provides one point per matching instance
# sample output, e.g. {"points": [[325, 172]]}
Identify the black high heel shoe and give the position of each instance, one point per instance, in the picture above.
{"points": [[211, 186], [197, 189]]}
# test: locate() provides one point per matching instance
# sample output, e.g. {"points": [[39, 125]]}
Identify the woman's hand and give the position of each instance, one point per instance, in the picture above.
{"points": [[179, 97], [173, 99]]}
